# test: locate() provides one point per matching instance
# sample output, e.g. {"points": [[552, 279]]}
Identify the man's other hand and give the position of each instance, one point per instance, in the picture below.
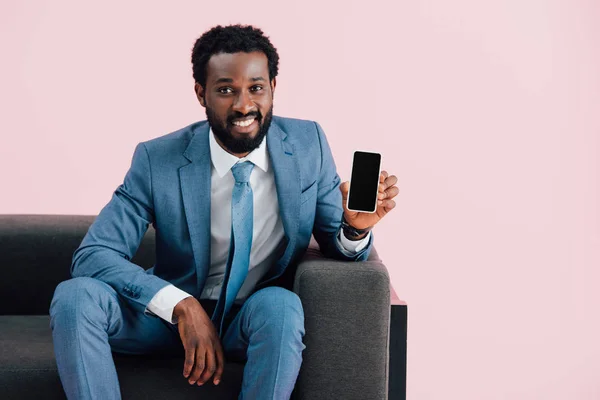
{"points": [[203, 351]]}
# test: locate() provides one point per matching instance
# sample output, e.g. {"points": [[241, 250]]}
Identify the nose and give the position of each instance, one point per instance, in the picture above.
{"points": [[243, 103]]}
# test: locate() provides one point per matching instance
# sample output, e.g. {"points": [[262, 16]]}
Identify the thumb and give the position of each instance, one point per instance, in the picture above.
{"points": [[345, 188]]}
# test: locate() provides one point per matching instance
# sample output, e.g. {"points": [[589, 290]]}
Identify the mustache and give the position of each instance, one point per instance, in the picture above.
{"points": [[238, 115]]}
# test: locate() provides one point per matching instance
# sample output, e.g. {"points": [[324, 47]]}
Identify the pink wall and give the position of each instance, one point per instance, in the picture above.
{"points": [[488, 112]]}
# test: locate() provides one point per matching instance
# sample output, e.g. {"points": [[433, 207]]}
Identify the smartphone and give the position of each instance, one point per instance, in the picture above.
{"points": [[364, 182]]}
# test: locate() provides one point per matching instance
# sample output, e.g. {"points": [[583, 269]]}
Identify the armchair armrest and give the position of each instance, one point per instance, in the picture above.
{"points": [[347, 322]]}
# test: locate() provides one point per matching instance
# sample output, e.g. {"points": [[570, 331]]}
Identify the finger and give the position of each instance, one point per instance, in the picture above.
{"points": [[388, 193], [382, 181], [199, 366], [385, 205], [209, 368], [391, 180], [220, 363], [189, 360], [392, 192], [389, 205]]}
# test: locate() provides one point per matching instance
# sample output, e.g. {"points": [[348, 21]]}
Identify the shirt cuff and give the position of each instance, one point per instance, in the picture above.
{"points": [[165, 300], [353, 246]]}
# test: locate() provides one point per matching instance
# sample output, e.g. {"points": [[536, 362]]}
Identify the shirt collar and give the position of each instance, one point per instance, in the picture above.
{"points": [[223, 161]]}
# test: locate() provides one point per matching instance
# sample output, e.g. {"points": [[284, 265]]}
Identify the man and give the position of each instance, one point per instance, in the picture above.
{"points": [[234, 201]]}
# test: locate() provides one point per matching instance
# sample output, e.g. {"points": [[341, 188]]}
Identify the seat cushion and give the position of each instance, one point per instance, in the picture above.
{"points": [[28, 368]]}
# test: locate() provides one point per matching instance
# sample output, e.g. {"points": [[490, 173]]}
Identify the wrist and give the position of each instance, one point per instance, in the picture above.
{"points": [[355, 238], [182, 307], [352, 233]]}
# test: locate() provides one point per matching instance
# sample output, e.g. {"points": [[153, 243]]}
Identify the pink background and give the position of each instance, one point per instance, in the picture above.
{"points": [[488, 113]]}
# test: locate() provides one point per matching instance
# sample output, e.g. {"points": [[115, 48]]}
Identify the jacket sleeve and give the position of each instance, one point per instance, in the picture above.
{"points": [[115, 235], [328, 218]]}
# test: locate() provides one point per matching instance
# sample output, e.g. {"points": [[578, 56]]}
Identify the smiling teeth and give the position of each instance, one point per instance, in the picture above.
{"points": [[243, 123]]}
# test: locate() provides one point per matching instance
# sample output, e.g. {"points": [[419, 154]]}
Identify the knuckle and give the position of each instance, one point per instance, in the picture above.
{"points": [[190, 345]]}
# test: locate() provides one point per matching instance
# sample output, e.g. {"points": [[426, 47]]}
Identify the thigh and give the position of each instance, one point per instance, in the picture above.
{"points": [[139, 332], [209, 306], [264, 311], [235, 340], [91, 305]]}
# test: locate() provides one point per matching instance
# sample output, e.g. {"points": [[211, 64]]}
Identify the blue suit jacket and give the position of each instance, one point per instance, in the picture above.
{"points": [[168, 185]]}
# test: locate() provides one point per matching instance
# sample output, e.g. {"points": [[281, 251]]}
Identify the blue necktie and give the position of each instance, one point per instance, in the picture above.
{"points": [[240, 244]]}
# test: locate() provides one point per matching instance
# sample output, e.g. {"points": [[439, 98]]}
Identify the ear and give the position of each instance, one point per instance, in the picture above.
{"points": [[199, 90], [273, 84]]}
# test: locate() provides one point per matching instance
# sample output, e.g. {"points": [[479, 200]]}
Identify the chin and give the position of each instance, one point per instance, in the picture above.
{"points": [[252, 134]]}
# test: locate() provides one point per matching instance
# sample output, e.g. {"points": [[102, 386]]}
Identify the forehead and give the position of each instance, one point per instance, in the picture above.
{"points": [[237, 66]]}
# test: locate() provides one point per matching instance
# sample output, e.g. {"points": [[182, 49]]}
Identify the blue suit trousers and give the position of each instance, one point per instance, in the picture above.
{"points": [[89, 320]]}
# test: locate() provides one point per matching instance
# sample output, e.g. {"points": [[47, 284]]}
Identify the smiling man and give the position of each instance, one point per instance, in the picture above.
{"points": [[234, 200]]}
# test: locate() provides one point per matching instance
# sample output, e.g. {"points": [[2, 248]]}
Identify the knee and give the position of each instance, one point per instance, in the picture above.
{"points": [[278, 309], [76, 294]]}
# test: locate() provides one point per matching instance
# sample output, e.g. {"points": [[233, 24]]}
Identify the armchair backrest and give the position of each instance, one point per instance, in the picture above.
{"points": [[36, 253], [35, 256]]}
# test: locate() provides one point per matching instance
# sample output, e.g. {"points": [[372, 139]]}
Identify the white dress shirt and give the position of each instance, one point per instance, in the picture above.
{"points": [[267, 231]]}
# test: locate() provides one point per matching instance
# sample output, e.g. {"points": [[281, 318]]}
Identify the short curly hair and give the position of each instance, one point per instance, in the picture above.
{"points": [[231, 39]]}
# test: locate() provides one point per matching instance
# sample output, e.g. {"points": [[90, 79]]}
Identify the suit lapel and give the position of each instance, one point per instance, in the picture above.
{"points": [[195, 191], [287, 182]]}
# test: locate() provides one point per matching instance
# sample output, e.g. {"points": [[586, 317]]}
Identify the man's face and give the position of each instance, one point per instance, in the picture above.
{"points": [[238, 98]]}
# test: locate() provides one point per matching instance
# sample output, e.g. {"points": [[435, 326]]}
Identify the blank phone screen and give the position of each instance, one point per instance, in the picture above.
{"points": [[364, 181]]}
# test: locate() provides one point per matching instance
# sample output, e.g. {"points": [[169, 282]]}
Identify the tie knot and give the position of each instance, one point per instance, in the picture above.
{"points": [[241, 171]]}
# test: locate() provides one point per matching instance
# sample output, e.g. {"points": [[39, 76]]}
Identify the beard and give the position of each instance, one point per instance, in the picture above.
{"points": [[222, 130]]}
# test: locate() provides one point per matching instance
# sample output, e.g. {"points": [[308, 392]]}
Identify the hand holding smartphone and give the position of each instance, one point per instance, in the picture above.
{"points": [[364, 182]]}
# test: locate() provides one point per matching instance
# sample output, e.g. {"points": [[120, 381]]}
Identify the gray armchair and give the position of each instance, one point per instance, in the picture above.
{"points": [[355, 325]]}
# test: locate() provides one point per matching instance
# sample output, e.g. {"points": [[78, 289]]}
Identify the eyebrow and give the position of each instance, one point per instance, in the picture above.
{"points": [[229, 80]]}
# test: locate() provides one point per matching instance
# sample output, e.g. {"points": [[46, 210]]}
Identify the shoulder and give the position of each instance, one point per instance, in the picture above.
{"points": [[307, 140], [299, 130], [174, 142], [293, 123]]}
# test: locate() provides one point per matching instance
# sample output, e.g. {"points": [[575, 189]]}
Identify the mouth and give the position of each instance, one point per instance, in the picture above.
{"points": [[244, 125]]}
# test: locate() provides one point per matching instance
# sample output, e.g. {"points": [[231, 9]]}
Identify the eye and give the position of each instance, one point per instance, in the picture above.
{"points": [[256, 88], [225, 90]]}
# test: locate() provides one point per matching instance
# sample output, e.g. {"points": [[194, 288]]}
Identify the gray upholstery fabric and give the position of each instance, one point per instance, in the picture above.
{"points": [[347, 317], [42, 246], [346, 306], [28, 369]]}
